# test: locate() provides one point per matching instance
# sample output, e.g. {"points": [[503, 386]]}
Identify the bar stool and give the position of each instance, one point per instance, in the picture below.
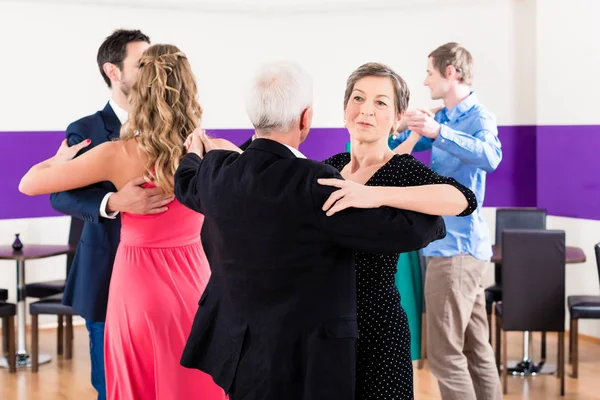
{"points": [[7, 313], [51, 306], [581, 307]]}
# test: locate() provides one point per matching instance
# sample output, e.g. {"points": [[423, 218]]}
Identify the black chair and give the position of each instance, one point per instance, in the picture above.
{"points": [[581, 307], [511, 218], [7, 313], [533, 283], [41, 290], [4, 297], [51, 306]]}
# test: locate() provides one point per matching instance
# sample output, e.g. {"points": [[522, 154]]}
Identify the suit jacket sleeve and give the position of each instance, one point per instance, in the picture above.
{"points": [[83, 203], [379, 230], [187, 182]]}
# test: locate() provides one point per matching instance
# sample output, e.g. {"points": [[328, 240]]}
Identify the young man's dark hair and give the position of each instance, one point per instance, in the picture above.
{"points": [[114, 49]]}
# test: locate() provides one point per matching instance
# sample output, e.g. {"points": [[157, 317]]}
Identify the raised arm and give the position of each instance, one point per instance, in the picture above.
{"points": [[406, 142], [419, 189], [87, 203], [478, 145], [407, 146], [481, 148], [63, 172], [380, 230], [187, 181]]}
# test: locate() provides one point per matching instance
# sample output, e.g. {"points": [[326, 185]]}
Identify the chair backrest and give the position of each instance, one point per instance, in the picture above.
{"points": [[533, 280], [597, 249], [518, 218], [74, 237]]}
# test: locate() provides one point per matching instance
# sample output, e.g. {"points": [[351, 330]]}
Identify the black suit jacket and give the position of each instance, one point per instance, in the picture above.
{"points": [[245, 145], [89, 277], [278, 317]]}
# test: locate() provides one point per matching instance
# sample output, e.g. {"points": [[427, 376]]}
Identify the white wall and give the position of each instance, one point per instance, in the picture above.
{"points": [[568, 62], [535, 60], [567, 65], [56, 55]]}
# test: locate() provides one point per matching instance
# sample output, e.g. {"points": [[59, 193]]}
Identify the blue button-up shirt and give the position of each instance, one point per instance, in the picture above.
{"points": [[466, 149]]}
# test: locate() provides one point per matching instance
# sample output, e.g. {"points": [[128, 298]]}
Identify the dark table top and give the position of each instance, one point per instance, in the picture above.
{"points": [[34, 251]]}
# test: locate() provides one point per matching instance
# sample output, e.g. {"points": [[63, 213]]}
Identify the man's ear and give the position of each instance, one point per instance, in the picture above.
{"points": [[305, 122], [450, 72], [112, 71]]}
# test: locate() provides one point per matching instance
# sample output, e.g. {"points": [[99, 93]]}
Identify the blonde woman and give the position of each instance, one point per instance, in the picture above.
{"points": [[160, 269]]}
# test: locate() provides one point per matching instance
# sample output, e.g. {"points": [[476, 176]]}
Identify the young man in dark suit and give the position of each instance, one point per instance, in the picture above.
{"points": [[278, 317], [99, 205]]}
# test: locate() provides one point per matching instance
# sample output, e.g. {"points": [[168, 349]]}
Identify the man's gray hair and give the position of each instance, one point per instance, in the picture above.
{"points": [[278, 94]]}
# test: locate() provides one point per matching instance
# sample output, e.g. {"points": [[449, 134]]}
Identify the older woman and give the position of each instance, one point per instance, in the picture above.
{"points": [[374, 103]]}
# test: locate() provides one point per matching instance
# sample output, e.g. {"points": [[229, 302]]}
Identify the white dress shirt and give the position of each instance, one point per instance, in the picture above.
{"points": [[296, 152]]}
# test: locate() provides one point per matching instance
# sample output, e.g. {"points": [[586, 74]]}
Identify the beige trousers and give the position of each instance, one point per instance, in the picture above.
{"points": [[458, 350]]}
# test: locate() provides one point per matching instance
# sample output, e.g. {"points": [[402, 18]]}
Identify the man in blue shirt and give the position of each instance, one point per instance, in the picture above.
{"points": [[463, 138]]}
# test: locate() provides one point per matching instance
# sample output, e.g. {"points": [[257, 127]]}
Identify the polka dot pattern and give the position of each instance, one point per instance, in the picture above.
{"points": [[384, 367]]}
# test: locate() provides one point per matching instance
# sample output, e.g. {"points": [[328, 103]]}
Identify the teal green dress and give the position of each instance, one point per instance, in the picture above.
{"points": [[410, 285]]}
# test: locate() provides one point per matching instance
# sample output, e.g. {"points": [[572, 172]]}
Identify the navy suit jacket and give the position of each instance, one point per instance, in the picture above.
{"points": [[89, 277]]}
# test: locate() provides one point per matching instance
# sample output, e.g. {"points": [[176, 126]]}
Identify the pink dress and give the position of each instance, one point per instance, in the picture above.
{"points": [[159, 274]]}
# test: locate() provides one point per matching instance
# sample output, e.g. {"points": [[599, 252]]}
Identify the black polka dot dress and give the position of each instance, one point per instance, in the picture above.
{"points": [[384, 366]]}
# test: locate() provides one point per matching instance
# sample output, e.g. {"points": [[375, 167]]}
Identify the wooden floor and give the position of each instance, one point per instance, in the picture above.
{"points": [[61, 379]]}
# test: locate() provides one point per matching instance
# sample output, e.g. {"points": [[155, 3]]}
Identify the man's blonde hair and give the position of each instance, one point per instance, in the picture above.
{"points": [[456, 55]]}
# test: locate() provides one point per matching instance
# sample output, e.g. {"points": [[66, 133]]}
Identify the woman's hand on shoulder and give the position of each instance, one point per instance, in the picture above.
{"points": [[349, 194], [66, 152]]}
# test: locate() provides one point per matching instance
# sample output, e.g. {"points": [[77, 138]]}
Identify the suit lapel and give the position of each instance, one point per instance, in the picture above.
{"points": [[111, 122]]}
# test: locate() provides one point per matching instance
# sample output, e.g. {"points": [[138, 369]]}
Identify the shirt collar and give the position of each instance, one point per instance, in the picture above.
{"points": [[122, 115], [461, 108], [295, 151]]}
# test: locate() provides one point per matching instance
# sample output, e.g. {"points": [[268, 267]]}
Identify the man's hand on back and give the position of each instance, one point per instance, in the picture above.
{"points": [[134, 199]]}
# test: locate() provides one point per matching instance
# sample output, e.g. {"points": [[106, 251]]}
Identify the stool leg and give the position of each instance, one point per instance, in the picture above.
{"points": [[498, 342], [69, 338], [9, 328], [35, 345], [504, 364], [570, 339], [543, 356], [59, 336], [575, 354], [4, 336], [561, 361]]}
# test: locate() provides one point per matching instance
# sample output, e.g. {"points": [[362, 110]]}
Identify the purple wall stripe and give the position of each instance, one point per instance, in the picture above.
{"points": [[539, 167], [18, 152], [568, 175], [512, 184]]}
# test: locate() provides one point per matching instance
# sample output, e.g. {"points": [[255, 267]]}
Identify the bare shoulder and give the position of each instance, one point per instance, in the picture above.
{"points": [[123, 159]]}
